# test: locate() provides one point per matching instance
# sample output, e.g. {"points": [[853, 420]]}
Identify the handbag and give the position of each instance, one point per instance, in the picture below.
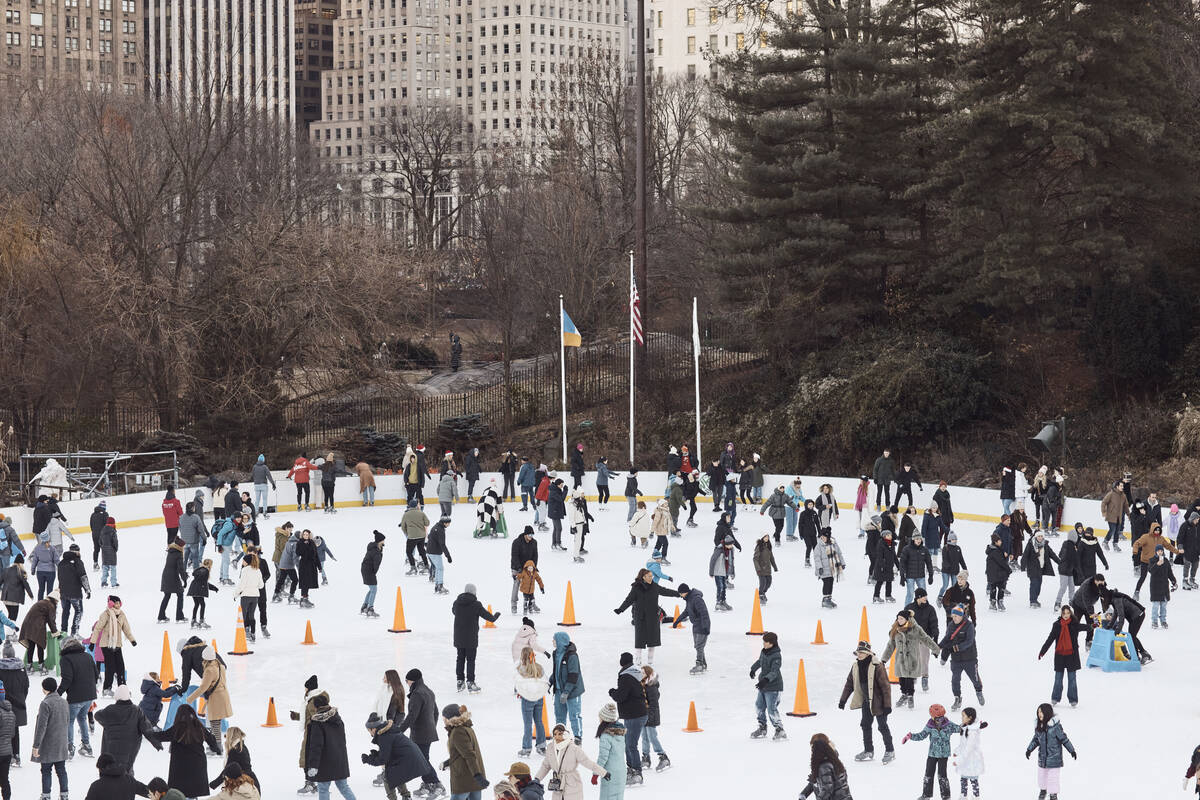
{"points": [[554, 784]]}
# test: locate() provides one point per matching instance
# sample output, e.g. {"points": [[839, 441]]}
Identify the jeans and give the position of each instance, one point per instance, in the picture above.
{"points": [[108, 574], [767, 705], [912, 584], [650, 739], [1114, 532], [633, 735], [59, 767], [1035, 586], [369, 600], [971, 668], [632, 508], [791, 518], [572, 709], [1072, 689], [880, 722], [531, 715], [260, 497], [226, 553], [947, 579], [537, 512], [1158, 611], [193, 554], [475, 795], [77, 712], [526, 496], [368, 496], [1006, 504], [342, 786], [69, 603], [438, 565], [1066, 587], [45, 583], [757, 494], [446, 508], [720, 579], [698, 641]]}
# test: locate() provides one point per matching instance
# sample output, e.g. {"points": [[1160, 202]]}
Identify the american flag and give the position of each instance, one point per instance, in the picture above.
{"points": [[635, 312]]}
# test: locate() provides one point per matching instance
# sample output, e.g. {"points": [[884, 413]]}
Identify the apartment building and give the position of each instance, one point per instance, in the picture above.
{"points": [[686, 35], [314, 53], [95, 42], [239, 51]]}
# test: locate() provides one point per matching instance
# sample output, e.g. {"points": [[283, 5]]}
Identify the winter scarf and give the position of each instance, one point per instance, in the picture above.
{"points": [[1065, 644]]}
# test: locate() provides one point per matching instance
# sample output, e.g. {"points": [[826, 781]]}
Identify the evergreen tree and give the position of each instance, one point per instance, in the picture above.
{"points": [[823, 127]]}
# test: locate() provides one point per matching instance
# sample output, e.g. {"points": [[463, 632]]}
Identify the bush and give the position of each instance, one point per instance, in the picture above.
{"points": [[364, 443], [412, 355]]}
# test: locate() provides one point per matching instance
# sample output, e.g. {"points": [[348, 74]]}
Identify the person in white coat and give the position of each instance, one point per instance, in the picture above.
{"points": [[564, 758], [530, 685], [1020, 487], [250, 581], [639, 526], [968, 752], [526, 637]]}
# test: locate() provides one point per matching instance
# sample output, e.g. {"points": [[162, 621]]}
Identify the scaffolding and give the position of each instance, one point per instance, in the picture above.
{"points": [[100, 474]]}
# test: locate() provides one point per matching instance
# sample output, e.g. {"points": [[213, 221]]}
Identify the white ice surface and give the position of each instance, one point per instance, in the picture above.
{"points": [[352, 653]]}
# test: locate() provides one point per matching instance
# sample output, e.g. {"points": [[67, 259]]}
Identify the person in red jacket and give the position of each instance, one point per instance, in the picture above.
{"points": [[299, 475], [541, 498], [172, 510]]}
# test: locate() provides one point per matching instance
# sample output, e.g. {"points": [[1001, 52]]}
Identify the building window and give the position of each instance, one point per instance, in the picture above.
{"points": [[741, 41], [691, 16], [36, 19], [739, 12], [762, 38], [713, 14], [691, 72], [659, 19], [13, 39], [712, 43], [14, 17]]}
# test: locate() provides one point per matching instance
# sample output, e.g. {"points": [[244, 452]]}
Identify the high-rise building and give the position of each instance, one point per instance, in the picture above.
{"points": [[95, 42], [688, 34], [314, 53], [238, 51]]}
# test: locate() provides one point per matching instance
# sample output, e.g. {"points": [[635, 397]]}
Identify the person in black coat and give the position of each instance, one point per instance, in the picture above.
{"points": [[885, 566], [233, 501], [952, 562], [1037, 561], [1068, 566], [115, 782], [577, 466], [401, 759], [1064, 638], [1089, 550], [524, 548], [72, 586], [97, 521], [1126, 610], [308, 566], [467, 612], [556, 511], [997, 571], [916, 565], [189, 765], [124, 728], [325, 756], [79, 673], [1188, 540], [421, 721], [174, 581], [960, 592], [369, 569], [191, 660], [630, 697], [16, 688], [647, 625]]}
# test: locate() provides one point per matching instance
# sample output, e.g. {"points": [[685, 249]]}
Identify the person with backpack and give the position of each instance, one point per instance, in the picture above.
{"points": [[566, 684]]}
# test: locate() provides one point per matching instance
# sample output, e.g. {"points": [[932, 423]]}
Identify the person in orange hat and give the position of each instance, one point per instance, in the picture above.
{"points": [[938, 731]]}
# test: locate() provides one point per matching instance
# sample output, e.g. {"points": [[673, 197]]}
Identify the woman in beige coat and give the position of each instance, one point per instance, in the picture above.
{"points": [[564, 758], [216, 693], [366, 483], [107, 634]]}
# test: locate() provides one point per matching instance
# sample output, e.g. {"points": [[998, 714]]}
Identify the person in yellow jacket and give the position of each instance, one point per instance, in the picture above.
{"points": [[1143, 551]]}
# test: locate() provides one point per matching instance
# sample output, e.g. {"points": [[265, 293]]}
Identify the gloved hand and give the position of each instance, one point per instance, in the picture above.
{"points": [[752, 671], [616, 611], [907, 736], [294, 715], [1027, 752], [220, 549], [445, 765], [312, 772], [480, 781], [366, 759], [546, 653], [595, 780], [89, 595], [132, 642], [608, 776], [1074, 756], [543, 590], [842, 706]]}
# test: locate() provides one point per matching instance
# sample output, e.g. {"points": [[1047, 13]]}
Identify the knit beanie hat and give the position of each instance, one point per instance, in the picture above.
{"points": [[311, 683], [452, 711], [413, 675], [626, 660], [608, 713], [379, 537]]}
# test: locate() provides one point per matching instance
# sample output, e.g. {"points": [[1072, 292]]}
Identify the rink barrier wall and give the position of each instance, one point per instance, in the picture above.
{"points": [[145, 508]]}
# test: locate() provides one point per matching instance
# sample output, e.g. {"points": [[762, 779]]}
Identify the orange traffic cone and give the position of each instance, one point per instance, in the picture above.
{"points": [[892, 669], [272, 720], [693, 724], [308, 637], [240, 620], [800, 706], [681, 625], [545, 716], [201, 705], [756, 628], [489, 623], [820, 637], [398, 625], [214, 646], [568, 620], [864, 633], [166, 673], [239, 643]]}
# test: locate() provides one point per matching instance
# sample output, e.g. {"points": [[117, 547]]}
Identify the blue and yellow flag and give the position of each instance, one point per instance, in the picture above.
{"points": [[570, 334]]}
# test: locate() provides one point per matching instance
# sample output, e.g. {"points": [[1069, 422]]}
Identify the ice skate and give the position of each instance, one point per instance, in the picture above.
{"points": [[664, 763], [305, 602], [578, 559], [760, 732], [70, 752], [699, 669], [462, 685], [780, 735], [891, 599], [827, 602], [925, 684], [308, 788], [379, 780], [645, 760], [277, 598], [957, 703], [440, 589], [979, 697], [250, 636], [692, 524], [889, 756], [865, 755], [533, 607], [371, 612], [324, 581], [525, 752], [473, 687], [85, 750], [633, 779], [878, 600], [266, 634]]}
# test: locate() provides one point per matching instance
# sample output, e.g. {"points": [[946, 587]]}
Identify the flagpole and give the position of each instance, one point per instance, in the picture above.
{"points": [[562, 365], [696, 359], [631, 351]]}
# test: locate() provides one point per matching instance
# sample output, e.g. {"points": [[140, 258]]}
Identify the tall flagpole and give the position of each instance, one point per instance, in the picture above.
{"points": [[696, 358], [631, 354], [562, 365]]}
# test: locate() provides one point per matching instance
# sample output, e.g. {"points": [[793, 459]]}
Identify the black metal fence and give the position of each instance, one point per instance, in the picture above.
{"points": [[595, 374]]}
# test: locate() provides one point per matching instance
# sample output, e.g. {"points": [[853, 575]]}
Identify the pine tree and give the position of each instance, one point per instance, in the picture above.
{"points": [[823, 130]]}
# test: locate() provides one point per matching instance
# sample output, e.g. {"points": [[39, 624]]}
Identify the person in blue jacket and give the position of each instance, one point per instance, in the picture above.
{"points": [[566, 681], [527, 480], [1049, 739], [655, 566]]}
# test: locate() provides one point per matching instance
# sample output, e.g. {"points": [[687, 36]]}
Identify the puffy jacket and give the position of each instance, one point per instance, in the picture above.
{"points": [[939, 734], [174, 573], [567, 677], [777, 504], [770, 662], [827, 784], [696, 610], [952, 559], [997, 568], [915, 562], [191, 529], [72, 576], [1038, 563], [959, 642], [1050, 743], [79, 673], [369, 569], [906, 643], [124, 728], [401, 759], [325, 748], [629, 694], [172, 510], [1144, 547], [250, 581], [467, 612], [556, 505]]}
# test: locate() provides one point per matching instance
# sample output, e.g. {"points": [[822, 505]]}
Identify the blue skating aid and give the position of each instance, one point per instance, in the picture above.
{"points": [[1113, 653]]}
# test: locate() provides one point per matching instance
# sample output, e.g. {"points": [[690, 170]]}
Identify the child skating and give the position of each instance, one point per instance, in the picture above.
{"points": [[1049, 739], [938, 730], [529, 577], [968, 752]]}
